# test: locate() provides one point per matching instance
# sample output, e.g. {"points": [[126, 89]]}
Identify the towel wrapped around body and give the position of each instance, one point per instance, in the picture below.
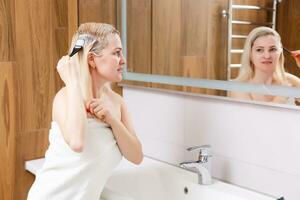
{"points": [[68, 175]]}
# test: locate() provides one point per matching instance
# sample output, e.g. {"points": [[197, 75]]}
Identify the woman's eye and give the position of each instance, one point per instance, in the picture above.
{"points": [[259, 50], [273, 49], [117, 53]]}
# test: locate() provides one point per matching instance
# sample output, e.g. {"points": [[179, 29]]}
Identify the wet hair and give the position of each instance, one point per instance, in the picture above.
{"points": [[90, 37]]}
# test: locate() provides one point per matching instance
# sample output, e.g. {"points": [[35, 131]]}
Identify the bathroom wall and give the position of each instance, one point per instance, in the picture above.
{"points": [[253, 145], [33, 36]]}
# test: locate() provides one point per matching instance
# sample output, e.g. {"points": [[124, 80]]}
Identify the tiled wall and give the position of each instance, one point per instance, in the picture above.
{"points": [[254, 146]]}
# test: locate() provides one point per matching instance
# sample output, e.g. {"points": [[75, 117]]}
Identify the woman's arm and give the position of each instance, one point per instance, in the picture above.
{"points": [[294, 81], [105, 110], [68, 107], [127, 140]]}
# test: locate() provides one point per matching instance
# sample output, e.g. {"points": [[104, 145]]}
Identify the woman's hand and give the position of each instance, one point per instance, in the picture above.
{"points": [[103, 109], [296, 55], [67, 70]]}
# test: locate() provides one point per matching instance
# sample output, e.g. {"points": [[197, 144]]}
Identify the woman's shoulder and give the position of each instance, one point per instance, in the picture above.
{"points": [[114, 96], [59, 102], [60, 95], [292, 79]]}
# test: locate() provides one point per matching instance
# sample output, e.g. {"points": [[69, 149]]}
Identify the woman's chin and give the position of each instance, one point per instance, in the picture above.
{"points": [[119, 78], [267, 69]]}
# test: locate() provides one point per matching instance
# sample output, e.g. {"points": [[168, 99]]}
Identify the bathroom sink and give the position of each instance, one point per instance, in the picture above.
{"points": [[158, 180]]}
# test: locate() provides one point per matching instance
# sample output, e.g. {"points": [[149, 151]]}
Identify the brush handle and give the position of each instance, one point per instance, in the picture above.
{"points": [[285, 49]]}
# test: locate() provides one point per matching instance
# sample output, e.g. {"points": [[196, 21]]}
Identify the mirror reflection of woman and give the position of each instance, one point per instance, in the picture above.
{"points": [[263, 63]]}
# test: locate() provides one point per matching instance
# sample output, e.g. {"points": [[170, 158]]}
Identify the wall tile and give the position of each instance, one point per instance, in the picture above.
{"points": [[254, 146]]}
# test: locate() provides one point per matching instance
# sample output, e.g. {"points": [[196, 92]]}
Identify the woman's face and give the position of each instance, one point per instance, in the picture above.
{"points": [[265, 53], [110, 63]]}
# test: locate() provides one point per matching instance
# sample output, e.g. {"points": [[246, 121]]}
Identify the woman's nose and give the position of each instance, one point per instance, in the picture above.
{"points": [[122, 60], [267, 54]]}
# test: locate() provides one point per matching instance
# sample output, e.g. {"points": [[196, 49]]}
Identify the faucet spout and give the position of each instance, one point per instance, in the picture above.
{"points": [[202, 165], [204, 176]]}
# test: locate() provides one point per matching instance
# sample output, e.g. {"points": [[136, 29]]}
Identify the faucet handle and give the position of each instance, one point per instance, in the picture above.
{"points": [[199, 147], [203, 153]]}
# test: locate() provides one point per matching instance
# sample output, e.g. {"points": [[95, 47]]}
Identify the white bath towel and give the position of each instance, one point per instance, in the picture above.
{"points": [[67, 175]]}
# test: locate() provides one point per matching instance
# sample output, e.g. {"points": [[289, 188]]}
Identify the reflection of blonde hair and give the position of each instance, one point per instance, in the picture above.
{"points": [[96, 37], [247, 69]]}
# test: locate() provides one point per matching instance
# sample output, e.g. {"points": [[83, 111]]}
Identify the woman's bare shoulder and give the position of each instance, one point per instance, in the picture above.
{"points": [[293, 80], [59, 104], [115, 96], [60, 96]]}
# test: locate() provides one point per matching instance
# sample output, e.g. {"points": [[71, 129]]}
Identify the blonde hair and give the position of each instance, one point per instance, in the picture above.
{"points": [[96, 37], [247, 69]]}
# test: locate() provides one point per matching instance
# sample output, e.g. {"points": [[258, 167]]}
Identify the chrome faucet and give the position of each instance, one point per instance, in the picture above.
{"points": [[202, 166]]}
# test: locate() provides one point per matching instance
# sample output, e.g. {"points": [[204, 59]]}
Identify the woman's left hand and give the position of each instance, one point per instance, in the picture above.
{"points": [[103, 110], [296, 55]]}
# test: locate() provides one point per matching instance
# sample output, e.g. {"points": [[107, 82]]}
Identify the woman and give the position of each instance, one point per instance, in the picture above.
{"points": [[263, 63], [91, 129]]}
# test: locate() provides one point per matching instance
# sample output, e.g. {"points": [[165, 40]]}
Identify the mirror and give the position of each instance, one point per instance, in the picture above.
{"points": [[197, 45]]}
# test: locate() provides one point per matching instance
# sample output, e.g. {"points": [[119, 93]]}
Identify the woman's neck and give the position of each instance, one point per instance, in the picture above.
{"points": [[98, 87], [262, 77], [97, 91]]}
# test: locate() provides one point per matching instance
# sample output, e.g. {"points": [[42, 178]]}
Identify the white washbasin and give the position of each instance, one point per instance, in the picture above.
{"points": [[160, 181]]}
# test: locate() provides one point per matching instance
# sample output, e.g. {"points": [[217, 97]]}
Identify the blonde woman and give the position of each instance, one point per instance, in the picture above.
{"points": [[91, 129], [263, 63]]}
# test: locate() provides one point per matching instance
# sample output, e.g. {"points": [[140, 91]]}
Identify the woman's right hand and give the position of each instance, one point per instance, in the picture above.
{"points": [[296, 55], [67, 70]]}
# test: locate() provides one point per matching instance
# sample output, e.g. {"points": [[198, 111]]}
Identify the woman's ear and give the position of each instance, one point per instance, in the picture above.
{"points": [[91, 60]]}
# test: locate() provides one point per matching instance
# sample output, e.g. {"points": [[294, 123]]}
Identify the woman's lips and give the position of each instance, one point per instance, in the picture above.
{"points": [[266, 62]]}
